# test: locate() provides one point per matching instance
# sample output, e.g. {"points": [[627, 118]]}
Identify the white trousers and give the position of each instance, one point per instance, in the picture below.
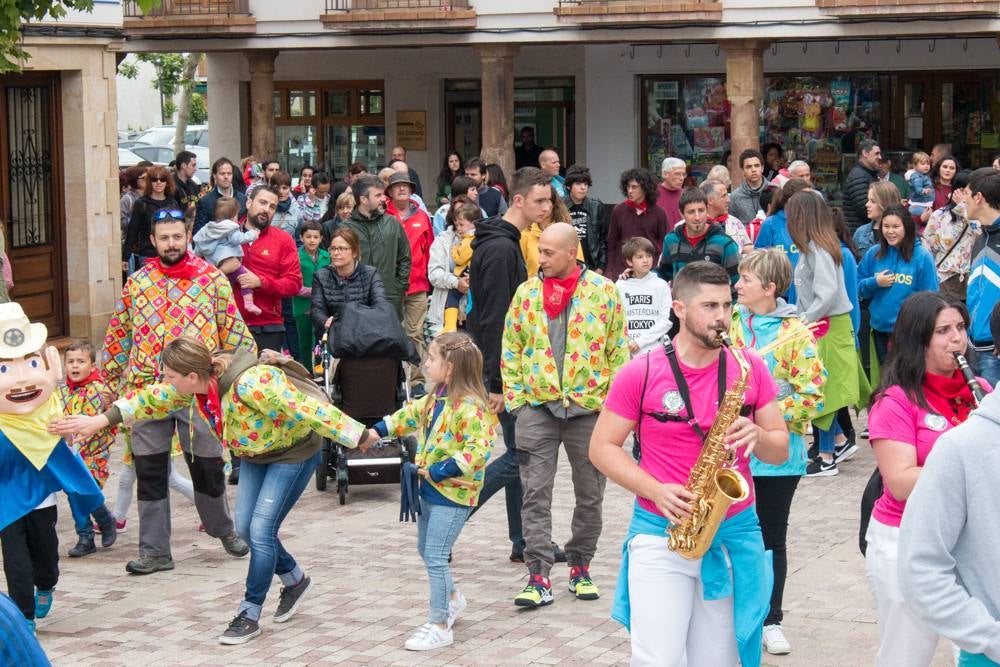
{"points": [[904, 640], [672, 625]]}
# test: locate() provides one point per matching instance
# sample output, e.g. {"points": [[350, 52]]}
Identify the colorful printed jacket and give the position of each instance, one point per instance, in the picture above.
{"points": [[463, 432], [797, 369], [266, 415], [90, 399], [156, 308], [596, 346]]}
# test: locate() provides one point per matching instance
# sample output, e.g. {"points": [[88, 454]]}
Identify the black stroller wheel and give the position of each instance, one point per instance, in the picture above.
{"points": [[323, 467], [342, 493]]}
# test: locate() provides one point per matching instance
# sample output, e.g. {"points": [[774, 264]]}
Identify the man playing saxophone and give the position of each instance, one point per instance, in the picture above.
{"points": [[708, 610]]}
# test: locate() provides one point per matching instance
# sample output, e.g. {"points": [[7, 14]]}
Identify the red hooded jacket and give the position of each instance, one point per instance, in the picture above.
{"points": [[420, 234], [274, 258]]}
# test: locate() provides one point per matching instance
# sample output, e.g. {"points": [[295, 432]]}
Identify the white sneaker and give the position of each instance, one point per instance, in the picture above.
{"points": [[429, 637], [775, 642], [455, 607]]}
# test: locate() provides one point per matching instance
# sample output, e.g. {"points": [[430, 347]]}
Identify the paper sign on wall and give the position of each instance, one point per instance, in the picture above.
{"points": [[411, 130]]}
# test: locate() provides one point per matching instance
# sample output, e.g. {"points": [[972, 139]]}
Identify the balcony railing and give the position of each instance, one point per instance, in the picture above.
{"points": [[188, 8], [931, 8], [623, 12], [184, 18], [440, 5], [416, 15]]}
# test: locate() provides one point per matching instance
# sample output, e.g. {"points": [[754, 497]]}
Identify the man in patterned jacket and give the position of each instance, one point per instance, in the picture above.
{"points": [[174, 294], [563, 339]]}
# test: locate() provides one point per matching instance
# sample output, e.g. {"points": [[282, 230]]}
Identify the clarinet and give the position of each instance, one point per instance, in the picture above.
{"points": [[970, 379]]}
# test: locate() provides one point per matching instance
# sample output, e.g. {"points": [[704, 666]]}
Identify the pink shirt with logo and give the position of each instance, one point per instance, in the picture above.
{"points": [[896, 417], [670, 449]]}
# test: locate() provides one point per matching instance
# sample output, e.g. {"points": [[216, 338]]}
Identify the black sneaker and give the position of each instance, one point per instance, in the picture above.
{"points": [[234, 477], [234, 545], [288, 603], [84, 547], [864, 433], [820, 468], [240, 630], [109, 533], [845, 451], [150, 564], [516, 556], [559, 556]]}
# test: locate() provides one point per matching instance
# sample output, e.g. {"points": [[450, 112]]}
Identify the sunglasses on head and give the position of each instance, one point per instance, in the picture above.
{"points": [[173, 213]]}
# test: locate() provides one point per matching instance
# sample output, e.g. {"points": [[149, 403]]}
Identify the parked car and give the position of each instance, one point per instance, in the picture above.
{"points": [[163, 135], [164, 155], [127, 158]]}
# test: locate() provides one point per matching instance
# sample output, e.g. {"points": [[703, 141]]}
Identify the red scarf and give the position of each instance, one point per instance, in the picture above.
{"points": [[693, 240], [949, 396], [212, 406], [640, 209], [94, 376], [558, 292], [720, 220], [185, 268]]}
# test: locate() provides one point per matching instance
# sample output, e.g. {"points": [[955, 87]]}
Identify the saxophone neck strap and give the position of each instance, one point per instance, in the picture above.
{"points": [[682, 385]]}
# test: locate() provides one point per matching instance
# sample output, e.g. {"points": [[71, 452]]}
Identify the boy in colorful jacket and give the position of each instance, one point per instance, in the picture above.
{"points": [[564, 338]]}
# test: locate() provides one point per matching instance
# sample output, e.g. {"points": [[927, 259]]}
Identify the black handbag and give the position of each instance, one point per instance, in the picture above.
{"points": [[361, 332], [871, 493]]}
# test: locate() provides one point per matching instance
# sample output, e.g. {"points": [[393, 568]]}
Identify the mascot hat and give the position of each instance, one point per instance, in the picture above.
{"points": [[18, 336]]}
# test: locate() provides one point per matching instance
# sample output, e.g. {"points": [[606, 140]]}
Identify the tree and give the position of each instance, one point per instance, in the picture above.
{"points": [[14, 13], [174, 73], [184, 108]]}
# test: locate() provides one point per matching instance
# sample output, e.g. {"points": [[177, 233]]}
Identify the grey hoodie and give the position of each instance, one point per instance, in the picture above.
{"points": [[949, 541], [745, 201]]}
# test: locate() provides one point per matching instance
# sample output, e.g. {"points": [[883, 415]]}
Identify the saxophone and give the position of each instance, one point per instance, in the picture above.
{"points": [[714, 482]]}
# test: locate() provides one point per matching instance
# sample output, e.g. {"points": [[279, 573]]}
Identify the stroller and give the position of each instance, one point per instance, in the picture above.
{"points": [[367, 390]]}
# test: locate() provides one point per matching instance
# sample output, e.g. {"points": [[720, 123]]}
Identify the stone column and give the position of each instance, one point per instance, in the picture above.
{"points": [[261, 102], [745, 90], [497, 61]]}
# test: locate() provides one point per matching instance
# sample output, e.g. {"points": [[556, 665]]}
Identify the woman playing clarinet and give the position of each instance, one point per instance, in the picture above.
{"points": [[923, 393]]}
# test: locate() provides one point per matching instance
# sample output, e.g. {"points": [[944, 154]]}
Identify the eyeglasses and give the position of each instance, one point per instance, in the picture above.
{"points": [[173, 213], [157, 179], [338, 248]]}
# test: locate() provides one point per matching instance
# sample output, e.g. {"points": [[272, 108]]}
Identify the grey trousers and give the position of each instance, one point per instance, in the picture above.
{"points": [[203, 455], [538, 437]]}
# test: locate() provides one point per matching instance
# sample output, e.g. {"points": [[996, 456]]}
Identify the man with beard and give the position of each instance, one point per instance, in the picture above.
{"points": [[709, 609], [175, 294]]}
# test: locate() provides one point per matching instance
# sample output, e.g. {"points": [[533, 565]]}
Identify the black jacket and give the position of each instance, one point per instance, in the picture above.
{"points": [[205, 209], [595, 247], [859, 179], [140, 226], [186, 192], [330, 292], [497, 269]]}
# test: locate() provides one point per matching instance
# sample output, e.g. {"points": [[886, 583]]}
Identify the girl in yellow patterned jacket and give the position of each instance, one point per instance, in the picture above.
{"points": [[455, 430]]}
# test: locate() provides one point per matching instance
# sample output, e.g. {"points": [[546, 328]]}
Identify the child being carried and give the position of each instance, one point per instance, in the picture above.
{"points": [[220, 243]]}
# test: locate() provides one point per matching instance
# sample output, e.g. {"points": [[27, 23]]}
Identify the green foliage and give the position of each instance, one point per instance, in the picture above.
{"points": [[199, 110], [14, 13]]}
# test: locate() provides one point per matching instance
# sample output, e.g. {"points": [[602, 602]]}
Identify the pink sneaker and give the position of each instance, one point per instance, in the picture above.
{"points": [[201, 528], [120, 525]]}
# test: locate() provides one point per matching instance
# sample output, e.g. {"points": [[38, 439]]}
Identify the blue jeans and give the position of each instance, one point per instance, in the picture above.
{"points": [[265, 495], [437, 529], [504, 473], [988, 367], [81, 520], [828, 438]]}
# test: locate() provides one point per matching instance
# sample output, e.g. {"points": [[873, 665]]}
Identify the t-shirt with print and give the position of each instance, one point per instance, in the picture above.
{"points": [[579, 218], [895, 417], [670, 449]]}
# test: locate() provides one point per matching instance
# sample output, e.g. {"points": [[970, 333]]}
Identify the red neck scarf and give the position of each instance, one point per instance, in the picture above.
{"points": [[558, 292], [693, 240], [640, 209], [94, 376], [212, 406], [949, 396], [185, 268], [720, 220]]}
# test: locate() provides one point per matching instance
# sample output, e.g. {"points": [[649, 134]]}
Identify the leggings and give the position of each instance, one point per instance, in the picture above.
{"points": [[127, 482], [774, 501]]}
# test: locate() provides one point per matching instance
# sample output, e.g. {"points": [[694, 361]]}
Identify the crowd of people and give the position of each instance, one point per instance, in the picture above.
{"points": [[539, 314]]}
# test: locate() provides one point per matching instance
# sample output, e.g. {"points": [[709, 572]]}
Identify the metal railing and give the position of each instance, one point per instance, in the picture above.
{"points": [[188, 8], [349, 5]]}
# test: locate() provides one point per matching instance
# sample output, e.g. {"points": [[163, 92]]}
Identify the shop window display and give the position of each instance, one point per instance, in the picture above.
{"points": [[821, 120], [688, 119]]}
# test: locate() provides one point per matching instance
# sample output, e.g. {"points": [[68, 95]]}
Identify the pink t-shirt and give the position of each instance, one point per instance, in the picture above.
{"points": [[895, 417], [670, 449]]}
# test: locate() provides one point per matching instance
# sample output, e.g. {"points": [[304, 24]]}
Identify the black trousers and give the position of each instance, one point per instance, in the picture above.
{"points": [[30, 557], [774, 500]]}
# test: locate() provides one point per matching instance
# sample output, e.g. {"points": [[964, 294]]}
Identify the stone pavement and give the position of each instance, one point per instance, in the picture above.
{"points": [[370, 590]]}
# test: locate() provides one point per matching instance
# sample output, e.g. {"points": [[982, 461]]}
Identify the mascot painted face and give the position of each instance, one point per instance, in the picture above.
{"points": [[29, 371]]}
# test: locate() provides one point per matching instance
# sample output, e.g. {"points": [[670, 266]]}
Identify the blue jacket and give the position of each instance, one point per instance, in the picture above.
{"points": [[851, 283], [205, 208], [774, 234], [983, 290], [917, 275]]}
